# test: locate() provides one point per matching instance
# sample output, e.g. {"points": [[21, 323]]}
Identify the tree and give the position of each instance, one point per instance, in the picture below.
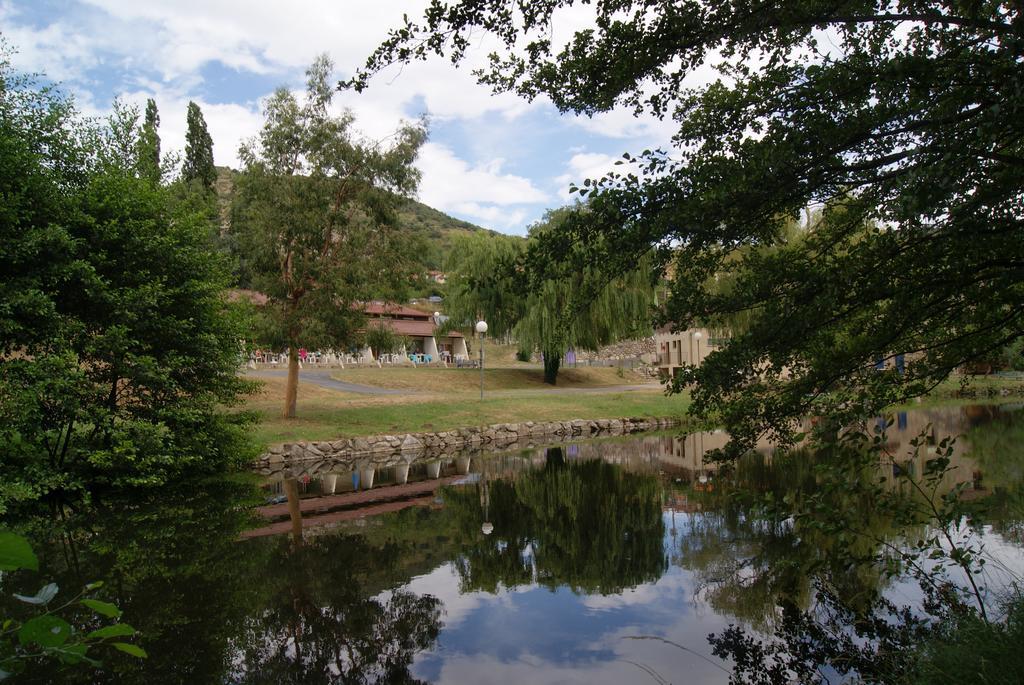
{"points": [[198, 166], [316, 211], [479, 270], [903, 118], [149, 144], [486, 279], [117, 349]]}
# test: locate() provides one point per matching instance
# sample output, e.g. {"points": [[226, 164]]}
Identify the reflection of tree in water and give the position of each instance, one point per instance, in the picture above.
{"points": [[319, 624], [588, 525], [172, 562], [998, 449], [749, 557], [211, 608]]}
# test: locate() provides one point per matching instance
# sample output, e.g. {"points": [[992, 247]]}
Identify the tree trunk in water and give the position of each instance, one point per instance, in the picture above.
{"points": [[291, 391], [554, 457], [552, 360], [291, 490]]}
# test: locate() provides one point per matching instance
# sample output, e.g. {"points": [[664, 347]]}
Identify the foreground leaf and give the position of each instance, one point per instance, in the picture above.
{"points": [[128, 648], [45, 594], [47, 631], [16, 553], [103, 608], [116, 630]]}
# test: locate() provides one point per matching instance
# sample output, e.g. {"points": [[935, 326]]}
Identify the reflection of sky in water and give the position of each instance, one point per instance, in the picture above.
{"points": [[531, 634], [534, 635]]}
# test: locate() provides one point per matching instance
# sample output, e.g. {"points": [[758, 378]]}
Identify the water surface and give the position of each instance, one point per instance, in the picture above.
{"points": [[601, 562]]}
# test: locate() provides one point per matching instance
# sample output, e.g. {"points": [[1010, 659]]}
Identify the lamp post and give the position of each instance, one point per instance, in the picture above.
{"points": [[481, 328], [485, 500], [697, 336]]}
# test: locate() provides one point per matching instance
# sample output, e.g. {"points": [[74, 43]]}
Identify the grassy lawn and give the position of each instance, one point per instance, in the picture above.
{"points": [[325, 414], [442, 399], [979, 390]]}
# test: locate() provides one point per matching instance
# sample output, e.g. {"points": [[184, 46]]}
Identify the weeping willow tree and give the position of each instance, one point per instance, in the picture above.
{"points": [[480, 271], [548, 316], [619, 310]]}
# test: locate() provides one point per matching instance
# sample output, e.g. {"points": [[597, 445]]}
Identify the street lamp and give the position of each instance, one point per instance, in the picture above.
{"points": [[481, 328], [697, 336]]}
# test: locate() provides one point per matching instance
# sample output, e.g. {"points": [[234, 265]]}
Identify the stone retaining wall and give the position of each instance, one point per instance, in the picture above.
{"points": [[382, 450]]}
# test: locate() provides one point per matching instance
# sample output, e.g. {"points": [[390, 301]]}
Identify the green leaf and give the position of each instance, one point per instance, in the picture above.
{"points": [[116, 630], [47, 631], [16, 553], [129, 648], [94, 586], [73, 653], [103, 608], [45, 594]]}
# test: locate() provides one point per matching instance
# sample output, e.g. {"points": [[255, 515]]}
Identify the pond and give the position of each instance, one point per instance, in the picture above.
{"points": [[599, 562]]}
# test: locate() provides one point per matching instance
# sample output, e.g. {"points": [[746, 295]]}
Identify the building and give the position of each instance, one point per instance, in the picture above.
{"points": [[681, 348], [419, 327]]}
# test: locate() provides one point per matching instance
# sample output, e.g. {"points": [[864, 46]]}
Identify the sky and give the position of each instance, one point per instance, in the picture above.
{"points": [[495, 160]]}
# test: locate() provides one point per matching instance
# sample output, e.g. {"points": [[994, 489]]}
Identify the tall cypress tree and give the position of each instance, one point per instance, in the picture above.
{"points": [[198, 150], [148, 157]]}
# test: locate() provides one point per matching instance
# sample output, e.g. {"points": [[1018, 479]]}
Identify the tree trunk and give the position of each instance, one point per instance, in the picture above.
{"points": [[291, 490], [552, 360], [291, 391]]}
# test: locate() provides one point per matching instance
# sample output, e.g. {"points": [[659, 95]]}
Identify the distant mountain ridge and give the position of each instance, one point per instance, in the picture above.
{"points": [[435, 226]]}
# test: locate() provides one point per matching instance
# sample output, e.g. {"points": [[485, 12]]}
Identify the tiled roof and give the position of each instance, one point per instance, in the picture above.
{"points": [[424, 329]]}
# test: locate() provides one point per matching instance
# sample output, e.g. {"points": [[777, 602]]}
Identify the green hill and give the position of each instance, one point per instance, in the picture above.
{"points": [[436, 227]]}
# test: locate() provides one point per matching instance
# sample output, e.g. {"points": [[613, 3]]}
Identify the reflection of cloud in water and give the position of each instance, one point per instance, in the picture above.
{"points": [[443, 583], [671, 593], [607, 657], [539, 636]]}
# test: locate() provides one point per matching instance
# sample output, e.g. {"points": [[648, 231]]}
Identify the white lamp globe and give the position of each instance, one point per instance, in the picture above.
{"points": [[698, 335], [487, 528], [437, 314], [481, 326]]}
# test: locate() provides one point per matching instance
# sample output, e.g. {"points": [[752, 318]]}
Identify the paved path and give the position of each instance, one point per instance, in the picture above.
{"points": [[322, 378]]}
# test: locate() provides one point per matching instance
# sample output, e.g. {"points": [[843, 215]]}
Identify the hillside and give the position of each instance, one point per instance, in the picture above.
{"points": [[437, 228]]}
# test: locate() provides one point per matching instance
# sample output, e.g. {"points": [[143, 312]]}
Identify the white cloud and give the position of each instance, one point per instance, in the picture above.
{"points": [[623, 123], [584, 165], [498, 218], [483, 190], [148, 48]]}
